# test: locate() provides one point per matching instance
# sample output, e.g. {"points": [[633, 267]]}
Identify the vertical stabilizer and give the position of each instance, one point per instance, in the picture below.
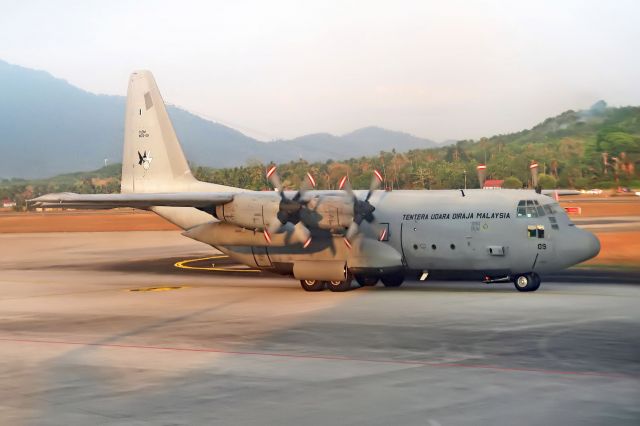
{"points": [[153, 160]]}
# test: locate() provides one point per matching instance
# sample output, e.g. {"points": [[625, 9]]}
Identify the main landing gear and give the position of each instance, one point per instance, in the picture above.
{"points": [[527, 282], [389, 280], [317, 285]]}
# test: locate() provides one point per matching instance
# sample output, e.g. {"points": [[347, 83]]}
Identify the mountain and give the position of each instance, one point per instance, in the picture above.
{"points": [[594, 148], [48, 126]]}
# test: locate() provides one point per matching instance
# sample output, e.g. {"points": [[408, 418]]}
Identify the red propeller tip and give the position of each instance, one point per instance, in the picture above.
{"points": [[378, 175], [312, 181], [271, 171], [347, 243], [267, 236], [306, 243], [383, 234], [343, 181]]}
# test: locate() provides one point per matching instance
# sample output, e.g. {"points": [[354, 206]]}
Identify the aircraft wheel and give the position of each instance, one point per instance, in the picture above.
{"points": [[394, 280], [536, 281], [312, 285], [527, 282], [367, 280], [344, 285]]}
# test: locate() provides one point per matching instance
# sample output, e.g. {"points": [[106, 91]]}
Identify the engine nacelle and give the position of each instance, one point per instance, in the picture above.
{"points": [[250, 211], [329, 212]]}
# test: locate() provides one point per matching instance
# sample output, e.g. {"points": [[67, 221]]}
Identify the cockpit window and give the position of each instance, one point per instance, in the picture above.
{"points": [[551, 208], [531, 209]]}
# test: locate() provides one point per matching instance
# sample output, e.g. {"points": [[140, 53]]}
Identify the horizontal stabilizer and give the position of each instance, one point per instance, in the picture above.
{"points": [[134, 200]]}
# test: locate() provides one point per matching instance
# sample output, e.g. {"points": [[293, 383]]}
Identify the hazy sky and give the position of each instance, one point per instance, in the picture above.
{"points": [[280, 69]]}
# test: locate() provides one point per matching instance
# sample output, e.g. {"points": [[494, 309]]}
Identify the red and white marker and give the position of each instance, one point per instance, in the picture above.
{"points": [[481, 166], [271, 171], [312, 181], [533, 165], [378, 175], [306, 243], [383, 235], [343, 181], [267, 236], [347, 243]]}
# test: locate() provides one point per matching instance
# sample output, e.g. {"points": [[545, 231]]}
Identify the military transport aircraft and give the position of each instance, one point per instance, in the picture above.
{"points": [[327, 238]]}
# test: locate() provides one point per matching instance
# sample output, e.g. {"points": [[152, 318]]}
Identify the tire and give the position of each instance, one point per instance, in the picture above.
{"points": [[527, 282], [394, 280], [339, 286], [312, 285], [536, 281], [367, 280]]}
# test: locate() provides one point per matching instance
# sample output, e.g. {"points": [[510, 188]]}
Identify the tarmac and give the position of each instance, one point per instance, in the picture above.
{"points": [[103, 328]]}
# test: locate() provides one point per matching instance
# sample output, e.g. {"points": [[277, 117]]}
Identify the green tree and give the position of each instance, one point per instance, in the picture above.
{"points": [[547, 181], [512, 182]]}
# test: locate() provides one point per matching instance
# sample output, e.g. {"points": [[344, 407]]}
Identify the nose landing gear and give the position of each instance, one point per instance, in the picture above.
{"points": [[527, 282]]}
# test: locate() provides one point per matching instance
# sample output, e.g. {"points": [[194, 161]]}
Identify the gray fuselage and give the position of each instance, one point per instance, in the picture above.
{"points": [[492, 232]]}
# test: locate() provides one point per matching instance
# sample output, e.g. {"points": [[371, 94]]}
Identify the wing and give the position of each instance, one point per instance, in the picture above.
{"points": [[201, 200], [560, 192]]}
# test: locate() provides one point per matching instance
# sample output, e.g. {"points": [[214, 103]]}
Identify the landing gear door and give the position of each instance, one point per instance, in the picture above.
{"points": [[261, 257]]}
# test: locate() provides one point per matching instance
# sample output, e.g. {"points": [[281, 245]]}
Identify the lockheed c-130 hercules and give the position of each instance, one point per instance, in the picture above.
{"points": [[327, 238]]}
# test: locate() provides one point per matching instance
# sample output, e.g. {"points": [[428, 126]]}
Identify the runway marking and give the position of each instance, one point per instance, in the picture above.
{"points": [[169, 288], [184, 264], [333, 358]]}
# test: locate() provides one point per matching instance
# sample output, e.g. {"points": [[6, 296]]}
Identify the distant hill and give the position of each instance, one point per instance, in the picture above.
{"points": [[594, 148], [48, 126]]}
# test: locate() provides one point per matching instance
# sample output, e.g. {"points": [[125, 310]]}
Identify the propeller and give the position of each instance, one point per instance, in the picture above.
{"points": [[362, 209], [289, 209]]}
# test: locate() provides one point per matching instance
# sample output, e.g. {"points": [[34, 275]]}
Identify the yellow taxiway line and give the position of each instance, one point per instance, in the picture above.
{"points": [[184, 264]]}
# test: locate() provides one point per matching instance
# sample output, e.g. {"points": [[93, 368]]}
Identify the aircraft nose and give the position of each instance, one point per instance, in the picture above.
{"points": [[589, 245]]}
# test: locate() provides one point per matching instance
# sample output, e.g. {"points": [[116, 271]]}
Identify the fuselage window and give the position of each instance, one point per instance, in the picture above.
{"points": [[384, 232], [522, 211], [531, 209]]}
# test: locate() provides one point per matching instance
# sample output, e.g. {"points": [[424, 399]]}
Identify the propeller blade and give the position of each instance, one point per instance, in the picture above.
{"points": [[347, 243], [352, 231], [376, 180], [533, 167], [302, 234], [346, 186], [274, 227], [274, 178], [267, 235], [308, 183]]}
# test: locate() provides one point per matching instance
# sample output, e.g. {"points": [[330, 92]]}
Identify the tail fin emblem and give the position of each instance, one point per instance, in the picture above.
{"points": [[145, 159]]}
